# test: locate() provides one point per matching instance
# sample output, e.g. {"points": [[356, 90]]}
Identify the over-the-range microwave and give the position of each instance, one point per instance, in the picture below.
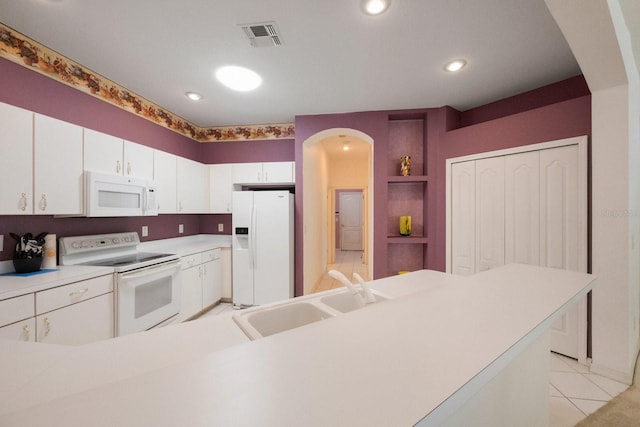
{"points": [[115, 195]]}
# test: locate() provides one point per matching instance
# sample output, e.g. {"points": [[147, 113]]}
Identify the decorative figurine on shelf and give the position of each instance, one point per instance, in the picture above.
{"points": [[405, 165], [405, 225]]}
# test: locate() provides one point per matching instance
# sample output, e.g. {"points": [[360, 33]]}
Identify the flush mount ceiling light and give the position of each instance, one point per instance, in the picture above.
{"points": [[193, 96], [455, 65], [238, 78], [375, 7]]}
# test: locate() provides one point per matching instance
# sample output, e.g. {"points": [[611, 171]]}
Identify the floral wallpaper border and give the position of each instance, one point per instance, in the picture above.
{"points": [[20, 49]]}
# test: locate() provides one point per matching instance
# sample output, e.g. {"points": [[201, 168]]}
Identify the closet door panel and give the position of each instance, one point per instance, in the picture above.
{"points": [[489, 213], [522, 208], [463, 218], [559, 237], [560, 234]]}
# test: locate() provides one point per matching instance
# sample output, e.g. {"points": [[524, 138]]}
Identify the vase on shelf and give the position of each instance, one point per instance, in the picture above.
{"points": [[405, 165], [405, 225]]}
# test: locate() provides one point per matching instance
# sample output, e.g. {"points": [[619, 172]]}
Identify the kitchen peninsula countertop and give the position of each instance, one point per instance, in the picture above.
{"points": [[405, 361]]}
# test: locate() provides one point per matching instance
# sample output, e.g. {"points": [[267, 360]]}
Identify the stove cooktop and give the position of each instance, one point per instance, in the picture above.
{"points": [[132, 259]]}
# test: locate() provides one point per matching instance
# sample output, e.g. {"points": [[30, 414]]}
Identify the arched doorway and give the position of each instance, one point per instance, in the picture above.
{"points": [[329, 169]]}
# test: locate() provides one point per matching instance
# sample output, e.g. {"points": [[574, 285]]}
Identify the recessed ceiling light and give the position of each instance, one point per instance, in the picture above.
{"points": [[238, 78], [456, 65], [345, 146], [193, 96], [375, 7]]}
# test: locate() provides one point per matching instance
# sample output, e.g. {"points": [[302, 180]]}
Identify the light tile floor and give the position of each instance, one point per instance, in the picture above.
{"points": [[347, 262], [575, 393]]}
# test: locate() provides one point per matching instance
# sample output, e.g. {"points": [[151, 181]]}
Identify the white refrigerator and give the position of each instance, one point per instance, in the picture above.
{"points": [[263, 247]]}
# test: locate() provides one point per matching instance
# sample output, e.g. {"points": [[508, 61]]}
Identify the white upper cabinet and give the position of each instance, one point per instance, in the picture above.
{"points": [[137, 160], [164, 177], [102, 152], [278, 172], [109, 154], [264, 173], [58, 171], [16, 142], [221, 185], [192, 186]]}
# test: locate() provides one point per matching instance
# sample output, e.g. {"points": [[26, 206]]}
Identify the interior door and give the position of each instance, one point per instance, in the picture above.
{"points": [[351, 221]]}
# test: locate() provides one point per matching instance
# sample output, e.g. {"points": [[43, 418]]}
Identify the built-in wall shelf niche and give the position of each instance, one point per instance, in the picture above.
{"points": [[407, 195]]}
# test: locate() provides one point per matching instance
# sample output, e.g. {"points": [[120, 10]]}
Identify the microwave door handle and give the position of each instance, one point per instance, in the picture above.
{"points": [[145, 271]]}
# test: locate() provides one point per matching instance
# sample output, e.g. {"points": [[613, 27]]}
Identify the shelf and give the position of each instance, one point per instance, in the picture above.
{"points": [[416, 240], [410, 178]]}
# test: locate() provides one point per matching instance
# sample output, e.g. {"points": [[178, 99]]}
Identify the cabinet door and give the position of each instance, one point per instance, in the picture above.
{"points": [[278, 172], [247, 173], [211, 282], [102, 152], [191, 293], [463, 218], [137, 160], [522, 208], [489, 213], [16, 161], [58, 168], [81, 323], [20, 331], [221, 186], [193, 186], [164, 177]]}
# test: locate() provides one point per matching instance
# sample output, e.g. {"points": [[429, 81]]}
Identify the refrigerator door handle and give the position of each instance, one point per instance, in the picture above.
{"points": [[254, 243], [251, 235]]}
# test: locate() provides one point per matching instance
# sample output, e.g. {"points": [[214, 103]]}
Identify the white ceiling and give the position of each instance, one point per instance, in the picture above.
{"points": [[334, 59]]}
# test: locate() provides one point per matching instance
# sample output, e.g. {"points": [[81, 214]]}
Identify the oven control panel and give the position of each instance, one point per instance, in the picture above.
{"points": [[81, 244]]}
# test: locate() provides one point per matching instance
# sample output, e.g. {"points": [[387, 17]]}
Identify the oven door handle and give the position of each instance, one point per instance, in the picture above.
{"points": [[151, 269]]}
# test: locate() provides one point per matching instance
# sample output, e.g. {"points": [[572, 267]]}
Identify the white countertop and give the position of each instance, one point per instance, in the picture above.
{"points": [[393, 363], [187, 245], [12, 285]]}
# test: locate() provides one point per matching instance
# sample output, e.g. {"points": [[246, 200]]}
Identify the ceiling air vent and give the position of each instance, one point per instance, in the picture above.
{"points": [[262, 34]]}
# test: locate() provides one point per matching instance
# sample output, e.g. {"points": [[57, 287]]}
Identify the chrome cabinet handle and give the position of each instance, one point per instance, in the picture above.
{"points": [[118, 166], [82, 292], [23, 201], [47, 326], [25, 332], [43, 202]]}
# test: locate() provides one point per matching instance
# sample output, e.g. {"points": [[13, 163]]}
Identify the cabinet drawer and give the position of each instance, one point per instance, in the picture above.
{"points": [[211, 255], [15, 309], [61, 296], [189, 261], [24, 330]]}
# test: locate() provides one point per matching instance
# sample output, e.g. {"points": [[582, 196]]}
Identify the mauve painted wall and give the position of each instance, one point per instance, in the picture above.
{"points": [[373, 124], [32, 91], [557, 121], [446, 139], [248, 151]]}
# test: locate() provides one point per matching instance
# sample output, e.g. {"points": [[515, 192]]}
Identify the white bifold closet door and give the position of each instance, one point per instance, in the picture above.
{"points": [[524, 208]]}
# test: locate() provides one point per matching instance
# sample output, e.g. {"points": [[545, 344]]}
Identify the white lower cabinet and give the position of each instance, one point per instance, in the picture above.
{"points": [[77, 313], [73, 314], [201, 282], [24, 330], [81, 323]]}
